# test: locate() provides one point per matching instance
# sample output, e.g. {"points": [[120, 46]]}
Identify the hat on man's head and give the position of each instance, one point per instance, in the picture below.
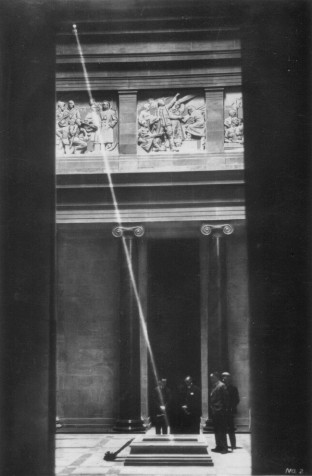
{"points": [[225, 374]]}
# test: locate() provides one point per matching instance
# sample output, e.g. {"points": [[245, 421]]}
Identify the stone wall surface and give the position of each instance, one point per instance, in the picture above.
{"points": [[88, 328], [238, 319], [88, 315]]}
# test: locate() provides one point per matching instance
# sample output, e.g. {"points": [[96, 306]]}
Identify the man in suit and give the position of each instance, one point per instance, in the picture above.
{"points": [[218, 407], [233, 401], [191, 407], [161, 402]]}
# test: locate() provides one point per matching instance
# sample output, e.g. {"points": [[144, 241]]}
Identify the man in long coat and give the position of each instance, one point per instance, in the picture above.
{"points": [[218, 407], [233, 401]]}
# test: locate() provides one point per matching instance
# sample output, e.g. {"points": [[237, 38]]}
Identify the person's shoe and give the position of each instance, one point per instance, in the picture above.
{"points": [[234, 448], [216, 450], [224, 452]]}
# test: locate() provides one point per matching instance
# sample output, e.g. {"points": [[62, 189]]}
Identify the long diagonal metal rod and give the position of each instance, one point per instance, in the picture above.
{"points": [[118, 219]]}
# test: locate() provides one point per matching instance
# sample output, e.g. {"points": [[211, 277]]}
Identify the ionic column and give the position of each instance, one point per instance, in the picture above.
{"points": [[214, 319], [129, 406], [214, 98]]}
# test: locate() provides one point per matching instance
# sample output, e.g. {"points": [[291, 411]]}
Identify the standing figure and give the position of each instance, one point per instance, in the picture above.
{"points": [[92, 124], [164, 121], [176, 116], [161, 402], [74, 119], [191, 407], [233, 401], [108, 121], [218, 407], [74, 122]]}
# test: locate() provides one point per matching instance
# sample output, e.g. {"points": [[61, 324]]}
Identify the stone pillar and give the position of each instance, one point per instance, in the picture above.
{"points": [[204, 267], [142, 284], [214, 98], [27, 218], [130, 386], [279, 232], [127, 122], [215, 276]]}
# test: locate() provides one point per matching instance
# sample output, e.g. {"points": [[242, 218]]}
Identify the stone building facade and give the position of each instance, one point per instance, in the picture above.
{"points": [[149, 119]]}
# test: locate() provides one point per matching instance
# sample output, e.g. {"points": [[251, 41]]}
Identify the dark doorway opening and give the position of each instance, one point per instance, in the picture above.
{"points": [[174, 310]]}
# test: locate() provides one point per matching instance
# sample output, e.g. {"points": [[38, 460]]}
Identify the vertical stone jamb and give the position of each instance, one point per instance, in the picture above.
{"points": [[127, 122], [27, 219], [130, 385], [214, 98]]}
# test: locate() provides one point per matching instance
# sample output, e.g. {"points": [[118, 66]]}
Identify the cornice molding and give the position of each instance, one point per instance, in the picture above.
{"points": [[100, 82], [150, 57], [150, 26], [143, 163], [152, 215]]}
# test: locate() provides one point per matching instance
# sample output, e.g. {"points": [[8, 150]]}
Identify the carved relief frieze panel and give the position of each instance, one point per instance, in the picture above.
{"points": [[86, 127], [233, 120], [171, 121]]}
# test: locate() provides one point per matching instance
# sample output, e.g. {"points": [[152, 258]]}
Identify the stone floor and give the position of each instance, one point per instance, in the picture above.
{"points": [[82, 454]]}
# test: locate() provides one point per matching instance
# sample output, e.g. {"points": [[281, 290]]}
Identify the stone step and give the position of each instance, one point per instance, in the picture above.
{"points": [[168, 459], [176, 438], [168, 448]]}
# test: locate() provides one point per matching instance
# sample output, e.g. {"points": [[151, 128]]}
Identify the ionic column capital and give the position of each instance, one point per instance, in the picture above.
{"points": [[216, 230], [128, 231]]}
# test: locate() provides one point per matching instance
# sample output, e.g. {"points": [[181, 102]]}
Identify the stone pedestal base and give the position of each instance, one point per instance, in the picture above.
{"points": [[208, 427], [182, 450], [129, 426]]}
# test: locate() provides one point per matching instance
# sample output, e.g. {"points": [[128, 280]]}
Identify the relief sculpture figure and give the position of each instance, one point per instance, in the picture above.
{"points": [[145, 117], [176, 116], [80, 142], [74, 122], [149, 134], [92, 123], [165, 124], [233, 128], [108, 121], [90, 133], [74, 119], [150, 140], [61, 126], [195, 124]]}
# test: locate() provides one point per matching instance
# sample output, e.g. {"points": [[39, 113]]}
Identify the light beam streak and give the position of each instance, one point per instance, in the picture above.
{"points": [[107, 171]]}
